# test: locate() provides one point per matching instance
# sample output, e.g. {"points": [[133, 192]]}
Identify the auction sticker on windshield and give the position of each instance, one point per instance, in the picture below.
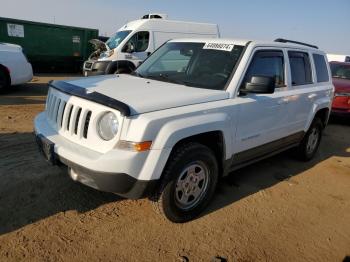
{"points": [[218, 46]]}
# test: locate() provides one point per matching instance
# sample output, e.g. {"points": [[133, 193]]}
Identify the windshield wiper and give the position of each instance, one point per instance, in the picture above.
{"points": [[166, 78]]}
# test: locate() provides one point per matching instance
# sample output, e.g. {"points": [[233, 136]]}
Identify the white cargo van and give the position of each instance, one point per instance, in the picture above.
{"points": [[136, 40]]}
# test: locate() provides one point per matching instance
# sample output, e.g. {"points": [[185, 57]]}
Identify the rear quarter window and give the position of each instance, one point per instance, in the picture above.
{"points": [[300, 68], [321, 68]]}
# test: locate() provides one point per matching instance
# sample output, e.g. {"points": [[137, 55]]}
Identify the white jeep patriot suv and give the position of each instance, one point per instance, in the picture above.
{"points": [[194, 111]]}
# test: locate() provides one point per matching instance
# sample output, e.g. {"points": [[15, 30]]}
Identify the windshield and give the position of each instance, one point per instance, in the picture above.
{"points": [[340, 71], [117, 38], [193, 64]]}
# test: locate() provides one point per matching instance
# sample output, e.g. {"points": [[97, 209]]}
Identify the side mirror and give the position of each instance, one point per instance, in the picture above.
{"points": [[259, 85]]}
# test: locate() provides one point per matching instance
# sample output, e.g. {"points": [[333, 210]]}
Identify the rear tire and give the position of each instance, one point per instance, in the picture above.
{"points": [[189, 182], [311, 141], [4, 80]]}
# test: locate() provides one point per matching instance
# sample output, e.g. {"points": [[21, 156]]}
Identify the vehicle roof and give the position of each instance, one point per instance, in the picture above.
{"points": [[165, 24], [246, 41]]}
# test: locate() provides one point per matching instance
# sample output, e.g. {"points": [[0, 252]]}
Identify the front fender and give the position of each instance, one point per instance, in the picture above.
{"points": [[178, 129]]}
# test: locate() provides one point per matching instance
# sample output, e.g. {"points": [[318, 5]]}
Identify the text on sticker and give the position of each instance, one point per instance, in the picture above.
{"points": [[218, 46]]}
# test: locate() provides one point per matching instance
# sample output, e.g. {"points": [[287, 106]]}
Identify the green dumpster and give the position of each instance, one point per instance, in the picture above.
{"points": [[49, 47]]}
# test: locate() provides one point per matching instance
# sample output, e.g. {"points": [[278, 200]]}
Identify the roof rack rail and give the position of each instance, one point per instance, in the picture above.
{"points": [[282, 40]]}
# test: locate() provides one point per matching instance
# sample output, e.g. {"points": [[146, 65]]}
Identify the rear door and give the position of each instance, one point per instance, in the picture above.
{"points": [[303, 89], [263, 118], [310, 81]]}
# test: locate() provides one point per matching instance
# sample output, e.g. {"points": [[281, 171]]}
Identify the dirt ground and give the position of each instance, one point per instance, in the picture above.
{"points": [[279, 209]]}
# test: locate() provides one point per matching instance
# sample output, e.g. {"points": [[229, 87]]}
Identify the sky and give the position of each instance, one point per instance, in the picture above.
{"points": [[320, 22]]}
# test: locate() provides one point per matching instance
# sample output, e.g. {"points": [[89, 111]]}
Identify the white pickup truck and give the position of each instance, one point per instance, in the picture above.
{"points": [[194, 111]]}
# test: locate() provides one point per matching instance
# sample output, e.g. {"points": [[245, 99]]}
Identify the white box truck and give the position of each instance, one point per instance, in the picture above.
{"points": [[136, 40]]}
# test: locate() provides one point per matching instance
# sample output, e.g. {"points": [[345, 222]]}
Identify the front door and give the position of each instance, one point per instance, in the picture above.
{"points": [[137, 48], [262, 118]]}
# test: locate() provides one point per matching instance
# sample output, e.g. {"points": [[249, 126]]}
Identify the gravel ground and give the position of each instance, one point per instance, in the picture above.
{"points": [[279, 209]]}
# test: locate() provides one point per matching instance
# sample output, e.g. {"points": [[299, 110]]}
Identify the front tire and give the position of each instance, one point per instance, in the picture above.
{"points": [[189, 183], [311, 141]]}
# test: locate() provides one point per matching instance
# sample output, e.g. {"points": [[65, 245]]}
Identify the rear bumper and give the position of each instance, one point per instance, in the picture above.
{"points": [[340, 112], [93, 68], [341, 105]]}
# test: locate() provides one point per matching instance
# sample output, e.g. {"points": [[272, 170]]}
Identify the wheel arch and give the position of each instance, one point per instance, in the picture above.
{"points": [[7, 72], [214, 140], [125, 64], [320, 109], [323, 114]]}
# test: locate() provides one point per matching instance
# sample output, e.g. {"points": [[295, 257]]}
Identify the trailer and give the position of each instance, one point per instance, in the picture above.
{"points": [[49, 47]]}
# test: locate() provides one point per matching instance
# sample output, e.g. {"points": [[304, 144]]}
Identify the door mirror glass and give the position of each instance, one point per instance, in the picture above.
{"points": [[259, 85]]}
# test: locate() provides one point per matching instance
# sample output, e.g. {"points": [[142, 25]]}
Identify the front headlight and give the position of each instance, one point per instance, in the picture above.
{"points": [[107, 126]]}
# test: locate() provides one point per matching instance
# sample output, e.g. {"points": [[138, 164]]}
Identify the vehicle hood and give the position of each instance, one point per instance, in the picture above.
{"points": [[341, 85], [144, 95], [99, 45]]}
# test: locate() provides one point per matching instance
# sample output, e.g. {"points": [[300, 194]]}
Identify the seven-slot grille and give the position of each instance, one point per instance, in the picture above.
{"points": [[67, 116]]}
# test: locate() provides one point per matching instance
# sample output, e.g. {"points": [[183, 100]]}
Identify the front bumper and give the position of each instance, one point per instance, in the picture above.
{"points": [[118, 183], [116, 171], [93, 68]]}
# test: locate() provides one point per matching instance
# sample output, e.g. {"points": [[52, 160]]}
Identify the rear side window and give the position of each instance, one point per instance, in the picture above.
{"points": [[321, 68], [267, 63], [300, 68]]}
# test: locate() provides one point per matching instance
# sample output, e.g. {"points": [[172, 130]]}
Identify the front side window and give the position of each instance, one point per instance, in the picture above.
{"points": [[340, 70], [267, 63], [321, 68], [117, 38], [138, 42], [192, 64], [300, 68]]}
